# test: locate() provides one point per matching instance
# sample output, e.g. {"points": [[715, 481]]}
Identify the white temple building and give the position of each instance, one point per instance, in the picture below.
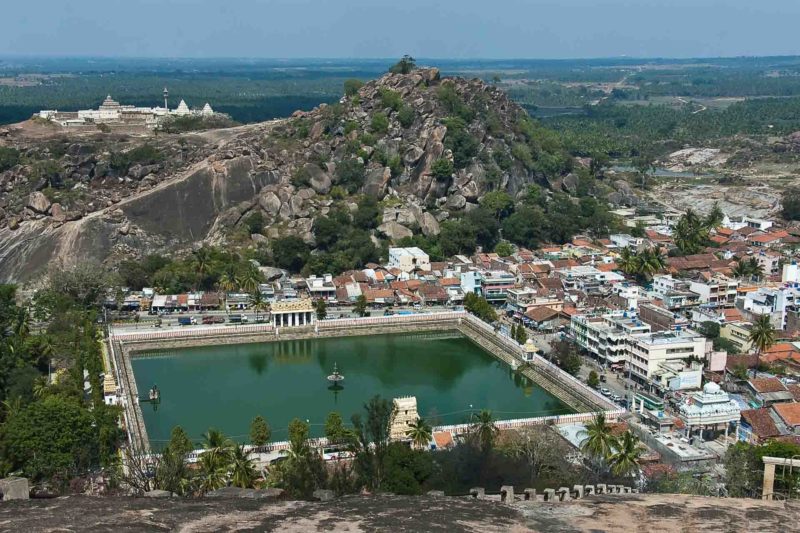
{"points": [[710, 407], [112, 112]]}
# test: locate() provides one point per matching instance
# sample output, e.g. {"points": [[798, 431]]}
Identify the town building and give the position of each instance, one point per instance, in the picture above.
{"points": [[403, 415], [111, 112], [409, 259], [293, 313], [712, 407], [650, 351]]}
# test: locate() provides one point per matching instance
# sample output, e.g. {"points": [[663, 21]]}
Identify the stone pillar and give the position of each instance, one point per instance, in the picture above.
{"points": [[507, 493], [549, 495], [769, 481], [577, 492], [588, 490], [530, 494], [563, 493], [14, 488], [477, 492], [301, 317], [601, 488]]}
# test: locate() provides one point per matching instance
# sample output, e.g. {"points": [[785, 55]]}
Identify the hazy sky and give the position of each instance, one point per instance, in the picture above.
{"points": [[379, 28]]}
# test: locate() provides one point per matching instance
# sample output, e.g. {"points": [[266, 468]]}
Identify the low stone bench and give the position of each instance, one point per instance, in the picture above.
{"points": [[577, 492], [626, 490], [323, 495], [477, 492], [588, 490], [507, 493], [530, 495], [601, 488], [634, 491], [14, 488], [563, 493], [549, 495]]}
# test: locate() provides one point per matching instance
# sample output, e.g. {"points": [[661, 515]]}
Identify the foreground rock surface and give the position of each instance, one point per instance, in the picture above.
{"points": [[638, 512]]}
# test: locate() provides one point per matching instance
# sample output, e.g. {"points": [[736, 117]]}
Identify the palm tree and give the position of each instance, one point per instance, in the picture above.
{"points": [[215, 439], [202, 260], [598, 441], [243, 472], [258, 303], [226, 283], [714, 218], [420, 433], [762, 334], [627, 261], [249, 279], [484, 429], [213, 471], [740, 269], [624, 461], [649, 261], [755, 269]]}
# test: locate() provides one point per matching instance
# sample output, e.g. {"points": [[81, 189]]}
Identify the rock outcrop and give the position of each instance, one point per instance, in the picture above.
{"points": [[120, 196]]}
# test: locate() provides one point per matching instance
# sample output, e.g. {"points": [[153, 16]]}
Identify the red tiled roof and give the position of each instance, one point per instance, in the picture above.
{"points": [[789, 412], [443, 439], [606, 267], [450, 282], [761, 422], [766, 385], [541, 314], [795, 390]]}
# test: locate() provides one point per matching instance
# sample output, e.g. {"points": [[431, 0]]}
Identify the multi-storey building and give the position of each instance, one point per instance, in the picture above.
{"points": [[606, 337], [719, 291]]}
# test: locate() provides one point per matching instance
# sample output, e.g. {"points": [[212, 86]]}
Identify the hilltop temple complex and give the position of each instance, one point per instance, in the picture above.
{"points": [[112, 112]]}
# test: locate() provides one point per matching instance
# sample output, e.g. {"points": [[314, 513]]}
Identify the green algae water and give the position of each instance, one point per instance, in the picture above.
{"points": [[227, 386]]}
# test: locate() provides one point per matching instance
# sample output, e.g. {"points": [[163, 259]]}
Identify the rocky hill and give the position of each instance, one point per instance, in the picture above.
{"points": [[426, 147]]}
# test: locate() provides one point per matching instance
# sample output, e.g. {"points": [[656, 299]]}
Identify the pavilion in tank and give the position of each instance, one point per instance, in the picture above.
{"points": [[293, 313], [112, 112]]}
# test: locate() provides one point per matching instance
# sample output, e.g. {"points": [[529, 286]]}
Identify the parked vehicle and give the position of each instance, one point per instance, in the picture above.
{"points": [[213, 319], [237, 319], [187, 321], [605, 392]]}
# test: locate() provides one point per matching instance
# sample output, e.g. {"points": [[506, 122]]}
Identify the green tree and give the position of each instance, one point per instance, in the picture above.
{"points": [[499, 203], [478, 306], [521, 335], [593, 380], [504, 249], [406, 116], [321, 309], [791, 204], [258, 303], [379, 123], [484, 430], [360, 307], [404, 66], [624, 460], [260, 432], [303, 471], [290, 253], [762, 334], [420, 433], [49, 437], [691, 233], [714, 217], [442, 169], [351, 86], [350, 174], [242, 470], [566, 356], [335, 431], [597, 440], [372, 440]]}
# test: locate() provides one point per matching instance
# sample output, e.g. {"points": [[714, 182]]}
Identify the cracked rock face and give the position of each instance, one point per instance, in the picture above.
{"points": [[206, 184]]}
